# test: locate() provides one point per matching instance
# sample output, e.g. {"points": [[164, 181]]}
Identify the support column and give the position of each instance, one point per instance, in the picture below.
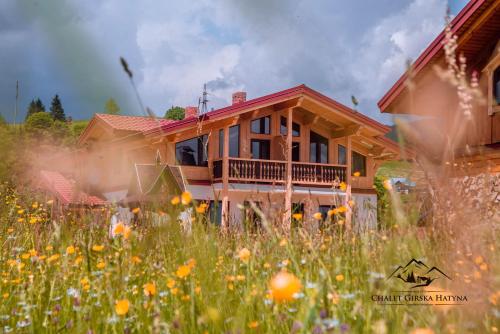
{"points": [[225, 181], [287, 219], [348, 215]]}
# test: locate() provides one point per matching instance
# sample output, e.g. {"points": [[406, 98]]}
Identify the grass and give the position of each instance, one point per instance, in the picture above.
{"points": [[54, 278]]}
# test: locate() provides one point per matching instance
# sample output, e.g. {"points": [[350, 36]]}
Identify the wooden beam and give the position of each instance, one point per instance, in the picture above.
{"points": [[287, 217], [352, 130], [225, 181]]}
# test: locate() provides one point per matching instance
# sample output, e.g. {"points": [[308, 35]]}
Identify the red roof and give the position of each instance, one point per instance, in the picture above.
{"points": [[65, 191], [133, 123], [459, 26], [270, 99]]}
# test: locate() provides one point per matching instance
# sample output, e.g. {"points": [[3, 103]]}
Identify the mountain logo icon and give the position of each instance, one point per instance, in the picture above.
{"points": [[418, 274]]}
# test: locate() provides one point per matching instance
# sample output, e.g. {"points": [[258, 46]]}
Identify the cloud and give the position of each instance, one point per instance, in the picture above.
{"points": [[339, 48]]}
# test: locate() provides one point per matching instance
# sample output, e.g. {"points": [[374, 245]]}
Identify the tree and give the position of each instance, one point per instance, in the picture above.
{"points": [[111, 107], [34, 107], [39, 122], [56, 109], [175, 113]]}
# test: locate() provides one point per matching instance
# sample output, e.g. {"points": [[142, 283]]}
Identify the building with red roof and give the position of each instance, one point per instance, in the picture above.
{"points": [[448, 130], [292, 150]]}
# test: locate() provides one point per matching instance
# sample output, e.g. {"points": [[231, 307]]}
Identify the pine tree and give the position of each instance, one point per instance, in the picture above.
{"points": [[112, 107], [34, 107], [56, 109]]}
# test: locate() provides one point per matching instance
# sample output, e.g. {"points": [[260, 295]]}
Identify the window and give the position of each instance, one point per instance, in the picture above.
{"points": [[234, 142], [358, 163], [221, 143], [342, 158], [323, 209], [192, 152], [318, 148], [295, 151], [496, 85], [249, 214], [261, 125], [261, 149], [215, 212], [295, 128]]}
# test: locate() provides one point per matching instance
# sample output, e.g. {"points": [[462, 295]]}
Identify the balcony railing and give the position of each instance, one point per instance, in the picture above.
{"points": [[274, 171]]}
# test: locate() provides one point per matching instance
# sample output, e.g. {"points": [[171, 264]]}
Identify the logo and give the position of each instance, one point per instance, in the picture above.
{"points": [[412, 286], [417, 274]]}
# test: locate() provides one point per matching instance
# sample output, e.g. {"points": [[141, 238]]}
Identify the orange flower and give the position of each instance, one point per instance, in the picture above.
{"points": [[244, 255], [149, 289], [183, 271], [122, 306], [70, 250], [283, 286], [136, 260], [318, 216], [186, 198], [339, 277], [297, 216], [422, 331], [202, 208], [253, 324], [101, 265], [343, 186], [191, 263], [136, 210], [170, 283], [126, 232], [175, 200], [356, 174], [119, 228], [97, 248]]}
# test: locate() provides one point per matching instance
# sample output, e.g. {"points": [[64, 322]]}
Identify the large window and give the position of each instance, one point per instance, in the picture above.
{"points": [[192, 152], [342, 158], [318, 148], [261, 125], [295, 128], [496, 85], [358, 163], [261, 149], [234, 142]]}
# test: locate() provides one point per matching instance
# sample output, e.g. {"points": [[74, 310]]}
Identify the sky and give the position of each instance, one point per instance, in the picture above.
{"points": [[340, 48]]}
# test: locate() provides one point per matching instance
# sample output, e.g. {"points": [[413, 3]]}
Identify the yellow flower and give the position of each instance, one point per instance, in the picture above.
{"points": [[342, 209], [343, 186], [356, 174], [70, 250], [126, 232], [244, 255], [297, 216], [332, 212], [202, 208], [84, 281], [53, 258], [283, 286], [49, 248], [97, 248], [283, 242], [339, 277], [422, 331], [479, 260], [10, 230], [149, 289], [388, 184], [20, 212], [318, 216], [25, 256], [183, 271], [186, 198], [50, 202], [253, 324], [5, 295], [136, 260], [175, 200], [170, 283], [34, 205], [101, 265], [122, 306], [136, 210], [78, 260], [119, 228], [351, 203]]}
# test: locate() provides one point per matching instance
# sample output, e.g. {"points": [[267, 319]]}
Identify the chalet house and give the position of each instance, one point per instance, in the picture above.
{"points": [[445, 135], [239, 153]]}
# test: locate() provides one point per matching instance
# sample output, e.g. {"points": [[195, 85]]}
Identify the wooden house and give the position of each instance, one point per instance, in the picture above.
{"points": [[241, 152]]}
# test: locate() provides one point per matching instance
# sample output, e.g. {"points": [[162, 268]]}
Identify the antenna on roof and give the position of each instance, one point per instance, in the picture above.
{"points": [[203, 101]]}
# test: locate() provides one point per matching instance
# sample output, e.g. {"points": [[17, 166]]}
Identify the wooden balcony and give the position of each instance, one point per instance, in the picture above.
{"points": [[274, 171]]}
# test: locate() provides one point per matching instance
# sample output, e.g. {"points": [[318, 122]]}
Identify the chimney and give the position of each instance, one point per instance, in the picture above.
{"points": [[190, 112], [239, 97]]}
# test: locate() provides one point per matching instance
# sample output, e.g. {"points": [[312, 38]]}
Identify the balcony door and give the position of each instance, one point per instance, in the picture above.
{"points": [[261, 149], [318, 148]]}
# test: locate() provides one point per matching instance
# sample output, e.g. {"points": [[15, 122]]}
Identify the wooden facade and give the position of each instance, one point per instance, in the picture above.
{"points": [[294, 138]]}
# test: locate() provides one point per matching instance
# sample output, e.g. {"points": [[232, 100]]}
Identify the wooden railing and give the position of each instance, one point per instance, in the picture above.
{"points": [[274, 171]]}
